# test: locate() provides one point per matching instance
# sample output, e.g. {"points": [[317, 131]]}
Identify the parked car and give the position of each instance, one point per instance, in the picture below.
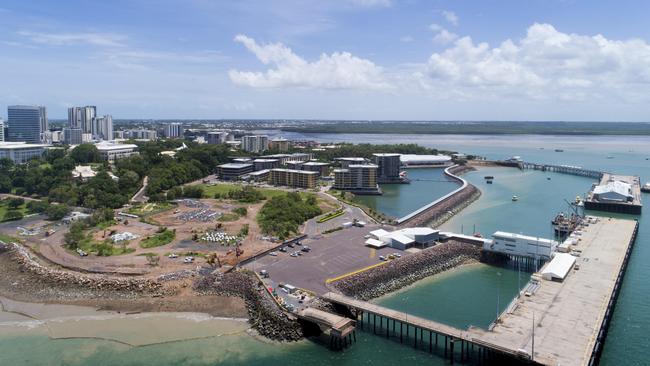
{"points": [[188, 260], [382, 258], [283, 249], [397, 255], [290, 245], [81, 253], [305, 249], [294, 254], [173, 256], [273, 254]]}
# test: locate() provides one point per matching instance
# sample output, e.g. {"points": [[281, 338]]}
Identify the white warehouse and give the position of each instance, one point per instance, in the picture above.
{"points": [[521, 245], [403, 239]]}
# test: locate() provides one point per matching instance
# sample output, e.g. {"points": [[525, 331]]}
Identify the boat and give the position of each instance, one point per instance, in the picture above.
{"points": [[578, 200], [488, 177], [488, 181], [564, 225], [559, 150], [515, 198], [610, 157], [548, 178], [646, 188]]}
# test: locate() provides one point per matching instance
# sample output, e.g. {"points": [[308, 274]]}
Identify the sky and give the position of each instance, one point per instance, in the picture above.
{"points": [[546, 60]]}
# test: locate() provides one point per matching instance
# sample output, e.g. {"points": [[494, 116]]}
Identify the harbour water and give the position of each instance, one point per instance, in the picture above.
{"points": [[466, 296]]}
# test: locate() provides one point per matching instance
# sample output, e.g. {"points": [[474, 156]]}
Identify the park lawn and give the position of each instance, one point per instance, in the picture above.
{"points": [[222, 188], [89, 245], [158, 239], [150, 208]]}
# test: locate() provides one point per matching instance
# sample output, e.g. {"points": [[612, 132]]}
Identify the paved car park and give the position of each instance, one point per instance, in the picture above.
{"points": [[331, 256]]}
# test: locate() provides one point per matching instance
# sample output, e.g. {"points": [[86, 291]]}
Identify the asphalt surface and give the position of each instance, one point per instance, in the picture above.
{"points": [[331, 256]]}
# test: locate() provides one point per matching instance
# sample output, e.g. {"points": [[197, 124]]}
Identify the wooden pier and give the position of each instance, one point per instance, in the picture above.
{"points": [[564, 169], [560, 323]]}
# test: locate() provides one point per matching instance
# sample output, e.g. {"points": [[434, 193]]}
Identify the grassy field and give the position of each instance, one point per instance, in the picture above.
{"points": [[158, 239], [150, 208], [9, 239]]}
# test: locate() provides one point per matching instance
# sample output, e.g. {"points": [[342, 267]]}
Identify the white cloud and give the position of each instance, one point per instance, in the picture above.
{"points": [[406, 39], [545, 64], [435, 27], [372, 3], [450, 17], [445, 37], [66, 39], [340, 70]]}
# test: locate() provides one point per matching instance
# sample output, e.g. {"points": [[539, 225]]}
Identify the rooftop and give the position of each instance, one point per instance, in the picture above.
{"points": [[294, 171], [108, 146], [235, 165], [10, 145]]}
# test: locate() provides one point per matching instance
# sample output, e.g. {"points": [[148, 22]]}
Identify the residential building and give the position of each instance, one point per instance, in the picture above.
{"points": [[57, 136], [173, 130], [216, 137], [293, 178], [388, 167], [2, 130], [103, 127], [82, 117], [118, 135], [262, 164], [112, 151], [255, 143], [21, 152], [289, 158], [323, 169], [234, 171], [346, 162], [86, 138], [279, 144], [141, 134], [72, 136], [27, 123], [359, 179], [260, 175]]}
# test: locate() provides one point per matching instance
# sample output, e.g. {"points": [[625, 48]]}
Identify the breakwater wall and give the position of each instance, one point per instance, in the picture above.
{"points": [[126, 286], [402, 272], [264, 315], [446, 206]]}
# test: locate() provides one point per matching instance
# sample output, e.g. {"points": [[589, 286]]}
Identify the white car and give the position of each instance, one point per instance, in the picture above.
{"points": [[382, 258], [273, 254], [397, 255], [188, 260], [173, 256]]}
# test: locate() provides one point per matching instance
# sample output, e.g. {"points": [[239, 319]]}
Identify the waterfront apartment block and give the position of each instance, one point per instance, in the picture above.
{"points": [[323, 169], [21, 152], [255, 143], [279, 144], [260, 175], [111, 152], [388, 167], [290, 158], [234, 171], [216, 137], [359, 179], [346, 162], [27, 123], [293, 178]]}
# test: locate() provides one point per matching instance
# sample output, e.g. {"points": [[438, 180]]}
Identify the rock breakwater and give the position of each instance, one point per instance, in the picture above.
{"points": [[402, 272]]}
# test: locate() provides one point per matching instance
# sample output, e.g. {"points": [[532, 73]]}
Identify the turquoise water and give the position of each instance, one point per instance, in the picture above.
{"points": [[463, 297], [398, 200]]}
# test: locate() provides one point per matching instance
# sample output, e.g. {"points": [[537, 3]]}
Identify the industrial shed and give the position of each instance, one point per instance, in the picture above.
{"points": [[558, 267]]}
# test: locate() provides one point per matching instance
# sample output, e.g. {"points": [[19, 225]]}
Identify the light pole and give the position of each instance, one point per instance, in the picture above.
{"points": [[498, 295]]}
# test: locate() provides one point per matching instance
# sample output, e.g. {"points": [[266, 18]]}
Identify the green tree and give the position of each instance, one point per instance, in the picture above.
{"points": [[14, 203], [57, 212], [85, 153], [37, 206], [12, 215]]}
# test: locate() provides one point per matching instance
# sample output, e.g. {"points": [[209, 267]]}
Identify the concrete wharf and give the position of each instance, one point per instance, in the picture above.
{"points": [[628, 207], [560, 323]]}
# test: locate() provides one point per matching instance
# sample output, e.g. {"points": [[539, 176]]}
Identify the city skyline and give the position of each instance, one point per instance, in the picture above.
{"points": [[351, 59]]}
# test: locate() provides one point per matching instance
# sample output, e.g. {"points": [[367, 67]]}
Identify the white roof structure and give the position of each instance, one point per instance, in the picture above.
{"points": [[424, 159], [109, 146], [379, 233], [558, 267], [400, 238], [412, 231], [375, 243], [617, 187], [83, 172], [503, 234]]}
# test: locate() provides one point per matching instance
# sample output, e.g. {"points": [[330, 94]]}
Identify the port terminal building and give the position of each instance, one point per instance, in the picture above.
{"points": [[521, 245], [616, 193], [403, 239]]}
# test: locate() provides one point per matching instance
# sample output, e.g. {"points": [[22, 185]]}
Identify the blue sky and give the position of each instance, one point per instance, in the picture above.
{"points": [[336, 59]]}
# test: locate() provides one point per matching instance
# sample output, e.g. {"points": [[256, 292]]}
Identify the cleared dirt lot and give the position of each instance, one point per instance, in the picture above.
{"points": [[331, 256]]}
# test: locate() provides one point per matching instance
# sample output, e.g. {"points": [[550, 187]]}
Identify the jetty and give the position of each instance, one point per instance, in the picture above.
{"points": [[564, 169], [562, 322]]}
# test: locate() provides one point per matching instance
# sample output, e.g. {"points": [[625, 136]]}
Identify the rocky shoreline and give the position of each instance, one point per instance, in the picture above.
{"points": [[400, 273], [264, 314]]}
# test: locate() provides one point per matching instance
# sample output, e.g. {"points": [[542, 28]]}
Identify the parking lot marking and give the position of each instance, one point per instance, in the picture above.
{"points": [[330, 280]]}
